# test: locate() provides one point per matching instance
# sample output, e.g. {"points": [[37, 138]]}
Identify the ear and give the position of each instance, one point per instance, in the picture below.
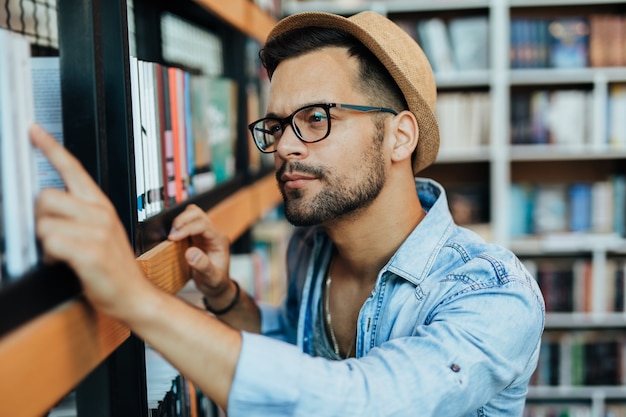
{"points": [[405, 135]]}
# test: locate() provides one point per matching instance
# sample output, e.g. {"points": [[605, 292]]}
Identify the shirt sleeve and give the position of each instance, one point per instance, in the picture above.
{"points": [[454, 365]]}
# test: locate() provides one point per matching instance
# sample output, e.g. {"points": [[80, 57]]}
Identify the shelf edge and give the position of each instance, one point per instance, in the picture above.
{"points": [[244, 15]]}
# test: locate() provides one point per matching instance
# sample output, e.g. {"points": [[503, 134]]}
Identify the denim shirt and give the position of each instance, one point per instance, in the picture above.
{"points": [[452, 328]]}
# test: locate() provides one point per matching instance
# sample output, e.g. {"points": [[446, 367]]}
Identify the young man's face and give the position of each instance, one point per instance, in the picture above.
{"points": [[342, 174]]}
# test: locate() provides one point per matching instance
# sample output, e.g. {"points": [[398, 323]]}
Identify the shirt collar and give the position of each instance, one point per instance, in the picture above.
{"points": [[414, 258]]}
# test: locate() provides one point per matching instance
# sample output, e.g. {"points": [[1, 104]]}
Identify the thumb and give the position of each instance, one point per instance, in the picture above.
{"points": [[196, 258], [204, 272]]}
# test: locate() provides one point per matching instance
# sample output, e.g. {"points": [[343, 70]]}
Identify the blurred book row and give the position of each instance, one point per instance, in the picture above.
{"points": [[184, 134], [462, 43], [464, 119], [566, 117], [568, 285], [595, 40], [572, 409], [581, 207], [581, 358], [458, 44]]}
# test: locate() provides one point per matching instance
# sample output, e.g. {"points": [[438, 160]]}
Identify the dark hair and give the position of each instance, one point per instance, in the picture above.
{"points": [[374, 79]]}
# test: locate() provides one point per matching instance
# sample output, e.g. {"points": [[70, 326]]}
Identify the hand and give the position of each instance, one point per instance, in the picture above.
{"points": [[80, 227], [209, 255]]}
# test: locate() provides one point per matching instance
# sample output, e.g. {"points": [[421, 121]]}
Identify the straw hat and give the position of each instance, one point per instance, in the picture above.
{"points": [[400, 54]]}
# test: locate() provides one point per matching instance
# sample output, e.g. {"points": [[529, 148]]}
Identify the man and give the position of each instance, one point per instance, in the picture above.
{"points": [[394, 310]]}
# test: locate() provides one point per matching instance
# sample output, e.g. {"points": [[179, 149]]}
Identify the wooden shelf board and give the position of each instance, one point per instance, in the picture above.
{"points": [[51, 354], [243, 15], [43, 360]]}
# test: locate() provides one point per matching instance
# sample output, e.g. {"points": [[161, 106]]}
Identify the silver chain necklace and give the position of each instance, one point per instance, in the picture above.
{"points": [[329, 320]]}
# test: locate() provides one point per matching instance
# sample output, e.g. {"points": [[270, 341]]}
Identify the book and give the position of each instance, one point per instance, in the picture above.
{"points": [[607, 44], [162, 133], [602, 206], [168, 143], [48, 111], [580, 207], [569, 39], [137, 139], [530, 43], [155, 138], [469, 39], [618, 183], [550, 208], [204, 178], [435, 41], [189, 140], [539, 110], [569, 118], [221, 111], [182, 133], [173, 95], [146, 138], [520, 118], [521, 199], [19, 182], [617, 121]]}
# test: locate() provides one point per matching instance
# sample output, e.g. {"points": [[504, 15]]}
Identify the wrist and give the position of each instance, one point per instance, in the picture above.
{"points": [[224, 308]]}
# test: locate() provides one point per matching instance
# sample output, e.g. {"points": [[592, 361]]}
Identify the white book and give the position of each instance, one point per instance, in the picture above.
{"points": [[145, 137], [602, 206], [151, 134], [550, 208], [617, 121], [435, 42], [19, 184], [568, 117], [137, 138], [155, 140], [46, 75], [469, 38]]}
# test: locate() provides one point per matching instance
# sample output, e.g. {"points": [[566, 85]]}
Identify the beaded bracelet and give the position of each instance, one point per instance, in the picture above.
{"points": [[229, 307]]}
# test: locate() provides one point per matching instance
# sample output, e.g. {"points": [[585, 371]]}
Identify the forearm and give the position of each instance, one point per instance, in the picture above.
{"points": [[203, 349]]}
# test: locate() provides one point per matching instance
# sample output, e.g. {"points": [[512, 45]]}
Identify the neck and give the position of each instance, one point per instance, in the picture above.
{"points": [[366, 243]]}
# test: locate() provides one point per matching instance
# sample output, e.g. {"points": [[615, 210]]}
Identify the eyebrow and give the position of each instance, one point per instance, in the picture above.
{"points": [[278, 116]]}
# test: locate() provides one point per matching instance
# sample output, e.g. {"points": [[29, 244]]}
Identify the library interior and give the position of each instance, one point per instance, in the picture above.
{"points": [[154, 98]]}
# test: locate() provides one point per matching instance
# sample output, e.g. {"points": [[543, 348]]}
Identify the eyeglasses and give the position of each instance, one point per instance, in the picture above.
{"points": [[310, 124]]}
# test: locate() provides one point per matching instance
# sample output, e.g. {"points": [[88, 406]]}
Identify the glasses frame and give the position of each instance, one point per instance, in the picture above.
{"points": [[289, 120]]}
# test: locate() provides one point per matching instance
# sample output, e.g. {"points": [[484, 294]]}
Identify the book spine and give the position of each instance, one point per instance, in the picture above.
{"points": [[137, 139], [19, 185], [178, 180]]}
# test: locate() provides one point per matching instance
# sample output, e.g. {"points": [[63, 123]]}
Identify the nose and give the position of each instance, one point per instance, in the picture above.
{"points": [[289, 145]]}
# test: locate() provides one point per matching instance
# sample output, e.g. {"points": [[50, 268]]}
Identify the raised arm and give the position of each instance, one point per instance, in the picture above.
{"points": [[80, 227]]}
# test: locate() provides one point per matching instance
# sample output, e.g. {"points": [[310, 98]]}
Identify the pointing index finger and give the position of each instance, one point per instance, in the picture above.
{"points": [[76, 179]]}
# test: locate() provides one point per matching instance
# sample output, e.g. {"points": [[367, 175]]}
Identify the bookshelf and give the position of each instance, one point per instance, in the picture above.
{"points": [[491, 168], [58, 343]]}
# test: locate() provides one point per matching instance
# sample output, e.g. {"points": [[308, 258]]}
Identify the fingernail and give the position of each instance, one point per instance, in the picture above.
{"points": [[193, 256]]}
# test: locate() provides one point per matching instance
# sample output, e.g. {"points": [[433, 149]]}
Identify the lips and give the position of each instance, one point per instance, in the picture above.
{"points": [[296, 180]]}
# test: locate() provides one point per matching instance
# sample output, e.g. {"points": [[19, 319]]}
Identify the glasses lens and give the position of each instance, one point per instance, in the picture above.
{"points": [[266, 133], [312, 123]]}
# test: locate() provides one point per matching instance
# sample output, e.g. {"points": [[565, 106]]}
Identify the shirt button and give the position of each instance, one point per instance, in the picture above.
{"points": [[455, 367]]}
